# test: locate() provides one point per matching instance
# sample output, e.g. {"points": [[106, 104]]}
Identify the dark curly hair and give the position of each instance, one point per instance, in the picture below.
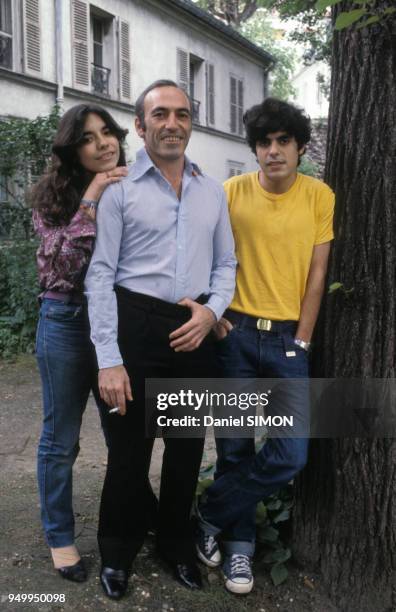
{"points": [[58, 193], [275, 115]]}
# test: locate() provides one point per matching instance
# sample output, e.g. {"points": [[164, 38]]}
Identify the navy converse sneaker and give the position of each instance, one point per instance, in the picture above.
{"points": [[237, 572], [207, 549]]}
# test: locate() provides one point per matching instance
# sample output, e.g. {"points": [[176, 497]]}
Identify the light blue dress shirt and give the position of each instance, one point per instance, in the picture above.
{"points": [[151, 242]]}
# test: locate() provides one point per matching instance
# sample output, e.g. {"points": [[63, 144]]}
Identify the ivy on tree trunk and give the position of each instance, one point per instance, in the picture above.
{"points": [[345, 516]]}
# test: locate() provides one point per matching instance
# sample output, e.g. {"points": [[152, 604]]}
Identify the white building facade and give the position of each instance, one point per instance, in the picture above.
{"points": [[108, 51], [308, 84]]}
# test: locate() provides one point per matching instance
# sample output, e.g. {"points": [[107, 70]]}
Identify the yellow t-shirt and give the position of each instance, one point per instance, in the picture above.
{"points": [[274, 237]]}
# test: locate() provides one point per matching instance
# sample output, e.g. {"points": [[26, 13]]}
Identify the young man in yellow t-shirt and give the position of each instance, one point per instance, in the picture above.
{"points": [[282, 223]]}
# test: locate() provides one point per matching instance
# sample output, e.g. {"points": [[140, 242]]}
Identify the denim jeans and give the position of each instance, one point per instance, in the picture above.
{"points": [[67, 367], [244, 477]]}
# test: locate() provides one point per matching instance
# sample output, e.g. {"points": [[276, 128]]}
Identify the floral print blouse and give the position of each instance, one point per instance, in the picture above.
{"points": [[64, 252]]}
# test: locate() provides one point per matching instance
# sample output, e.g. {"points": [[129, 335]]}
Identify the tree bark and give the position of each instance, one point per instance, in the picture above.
{"points": [[345, 515]]}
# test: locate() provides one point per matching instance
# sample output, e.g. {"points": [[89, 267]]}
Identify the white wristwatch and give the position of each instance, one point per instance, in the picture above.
{"points": [[302, 344]]}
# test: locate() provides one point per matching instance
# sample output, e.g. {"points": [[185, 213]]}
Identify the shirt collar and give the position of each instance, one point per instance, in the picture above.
{"points": [[144, 163]]}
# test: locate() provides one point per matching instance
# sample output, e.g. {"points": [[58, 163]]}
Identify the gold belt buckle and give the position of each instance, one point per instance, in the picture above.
{"points": [[264, 324]]}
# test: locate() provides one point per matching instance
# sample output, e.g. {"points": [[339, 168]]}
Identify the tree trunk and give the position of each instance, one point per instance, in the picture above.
{"points": [[345, 515]]}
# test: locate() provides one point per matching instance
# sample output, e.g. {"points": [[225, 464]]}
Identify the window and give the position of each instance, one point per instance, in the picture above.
{"points": [[5, 34], [20, 36], [195, 70], [236, 105], [234, 168], [97, 26], [100, 74], [96, 67], [196, 77], [190, 78]]}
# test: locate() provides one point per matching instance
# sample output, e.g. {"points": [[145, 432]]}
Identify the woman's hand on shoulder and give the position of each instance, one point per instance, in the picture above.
{"points": [[101, 180]]}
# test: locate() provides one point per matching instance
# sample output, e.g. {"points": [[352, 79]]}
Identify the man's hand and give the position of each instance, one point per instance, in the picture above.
{"points": [[222, 328], [115, 387], [189, 336]]}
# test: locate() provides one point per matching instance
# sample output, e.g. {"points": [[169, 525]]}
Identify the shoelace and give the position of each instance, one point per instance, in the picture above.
{"points": [[209, 543], [240, 564]]}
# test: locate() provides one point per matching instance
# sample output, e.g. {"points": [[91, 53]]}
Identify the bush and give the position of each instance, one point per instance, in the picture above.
{"points": [[18, 296], [25, 148], [308, 167]]}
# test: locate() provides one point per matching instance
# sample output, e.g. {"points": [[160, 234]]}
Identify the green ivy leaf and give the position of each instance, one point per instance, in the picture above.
{"points": [[282, 516], [261, 513], [274, 504], [322, 4], [202, 485], [334, 287], [390, 10], [267, 534], [279, 573], [346, 19]]}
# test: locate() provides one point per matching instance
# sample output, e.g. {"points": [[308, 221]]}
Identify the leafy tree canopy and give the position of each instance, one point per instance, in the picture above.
{"points": [[259, 30], [312, 18]]}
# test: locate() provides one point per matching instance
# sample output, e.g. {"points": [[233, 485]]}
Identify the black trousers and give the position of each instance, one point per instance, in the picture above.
{"points": [[144, 325]]}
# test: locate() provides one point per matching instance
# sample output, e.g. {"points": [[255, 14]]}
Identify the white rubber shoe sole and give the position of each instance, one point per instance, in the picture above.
{"points": [[238, 588], [213, 562]]}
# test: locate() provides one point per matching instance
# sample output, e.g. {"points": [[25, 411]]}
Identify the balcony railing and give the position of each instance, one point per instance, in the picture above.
{"points": [[195, 110], [5, 51], [100, 77]]}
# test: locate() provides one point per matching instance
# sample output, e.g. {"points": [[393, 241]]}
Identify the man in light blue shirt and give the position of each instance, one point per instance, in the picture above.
{"points": [[162, 274]]}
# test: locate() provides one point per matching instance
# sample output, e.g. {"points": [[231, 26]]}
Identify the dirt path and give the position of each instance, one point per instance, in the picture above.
{"points": [[25, 565]]}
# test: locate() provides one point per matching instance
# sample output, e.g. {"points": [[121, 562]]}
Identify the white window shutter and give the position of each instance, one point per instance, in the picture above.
{"points": [[31, 37], [80, 37], [210, 89], [233, 105], [183, 69], [240, 108], [124, 51]]}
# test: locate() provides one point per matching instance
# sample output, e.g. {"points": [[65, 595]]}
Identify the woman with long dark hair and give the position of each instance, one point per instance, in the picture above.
{"points": [[87, 155]]}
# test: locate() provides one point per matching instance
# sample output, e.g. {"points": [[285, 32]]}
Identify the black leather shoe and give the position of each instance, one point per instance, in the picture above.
{"points": [[114, 582], [187, 574], [75, 573]]}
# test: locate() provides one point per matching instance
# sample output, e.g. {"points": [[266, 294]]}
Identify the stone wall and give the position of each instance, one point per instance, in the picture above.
{"points": [[316, 149]]}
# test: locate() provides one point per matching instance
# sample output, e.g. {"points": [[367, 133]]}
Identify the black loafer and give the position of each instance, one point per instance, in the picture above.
{"points": [[114, 582], [188, 575], [75, 573]]}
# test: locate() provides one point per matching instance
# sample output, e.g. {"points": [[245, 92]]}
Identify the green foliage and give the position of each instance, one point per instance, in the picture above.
{"points": [[337, 286], [232, 12], [18, 296], [271, 514], [312, 29], [24, 152], [369, 13], [308, 167], [258, 30], [25, 147]]}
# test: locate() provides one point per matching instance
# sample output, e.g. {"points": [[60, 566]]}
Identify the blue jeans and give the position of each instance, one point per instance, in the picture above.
{"points": [[244, 477], [68, 370]]}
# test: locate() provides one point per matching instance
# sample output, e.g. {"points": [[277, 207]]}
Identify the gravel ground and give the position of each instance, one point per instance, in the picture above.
{"points": [[25, 562]]}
